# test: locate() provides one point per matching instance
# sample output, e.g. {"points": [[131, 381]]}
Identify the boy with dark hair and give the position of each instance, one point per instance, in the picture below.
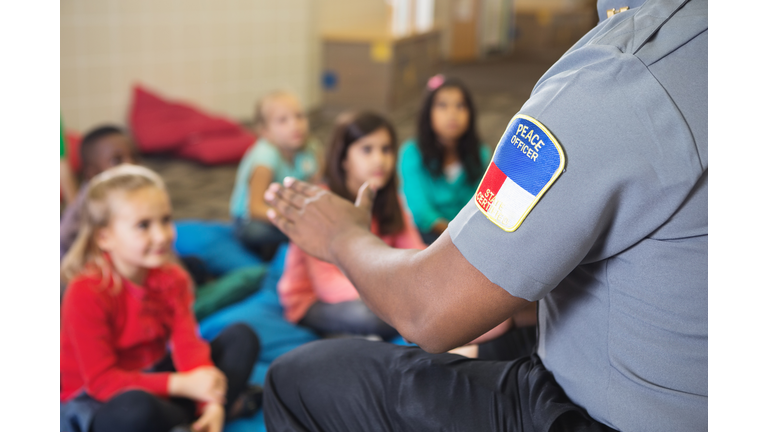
{"points": [[101, 148], [105, 147]]}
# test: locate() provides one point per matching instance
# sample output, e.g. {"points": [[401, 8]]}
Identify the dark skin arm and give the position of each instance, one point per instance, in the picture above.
{"points": [[434, 298]]}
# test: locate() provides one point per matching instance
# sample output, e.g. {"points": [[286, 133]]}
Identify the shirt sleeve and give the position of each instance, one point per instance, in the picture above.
{"points": [[63, 144], [416, 186], [485, 155], [314, 158], [620, 182], [329, 283], [265, 154], [87, 313], [70, 221], [295, 287], [188, 350]]}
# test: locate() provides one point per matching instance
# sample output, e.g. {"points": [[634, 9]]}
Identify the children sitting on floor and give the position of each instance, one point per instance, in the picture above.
{"points": [[283, 149], [316, 294], [104, 147], [131, 358], [441, 168], [101, 148]]}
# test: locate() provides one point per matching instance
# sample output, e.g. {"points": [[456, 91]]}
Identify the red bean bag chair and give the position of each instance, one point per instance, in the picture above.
{"points": [[73, 140], [161, 126], [217, 149]]}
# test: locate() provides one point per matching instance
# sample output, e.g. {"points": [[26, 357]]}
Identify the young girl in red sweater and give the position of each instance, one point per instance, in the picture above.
{"points": [[131, 357], [316, 294]]}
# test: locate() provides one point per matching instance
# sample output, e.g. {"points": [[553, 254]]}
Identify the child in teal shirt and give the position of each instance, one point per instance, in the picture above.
{"points": [[284, 149], [441, 168]]}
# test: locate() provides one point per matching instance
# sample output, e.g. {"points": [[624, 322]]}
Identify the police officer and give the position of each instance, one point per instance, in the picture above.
{"points": [[595, 204]]}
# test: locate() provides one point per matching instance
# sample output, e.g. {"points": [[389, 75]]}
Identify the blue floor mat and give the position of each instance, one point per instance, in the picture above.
{"points": [[263, 313], [214, 243]]}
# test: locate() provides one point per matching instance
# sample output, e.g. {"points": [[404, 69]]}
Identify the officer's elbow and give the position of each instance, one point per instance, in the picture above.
{"points": [[435, 347], [427, 334], [434, 344]]}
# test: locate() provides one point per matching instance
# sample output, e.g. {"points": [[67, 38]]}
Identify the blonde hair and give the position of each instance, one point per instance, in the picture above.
{"points": [[85, 255], [260, 119]]}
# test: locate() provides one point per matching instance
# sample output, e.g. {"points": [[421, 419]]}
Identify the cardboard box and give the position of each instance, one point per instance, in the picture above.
{"points": [[379, 73], [550, 33]]}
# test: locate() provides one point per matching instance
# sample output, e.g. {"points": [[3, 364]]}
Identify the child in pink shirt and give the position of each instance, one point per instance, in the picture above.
{"points": [[316, 294]]}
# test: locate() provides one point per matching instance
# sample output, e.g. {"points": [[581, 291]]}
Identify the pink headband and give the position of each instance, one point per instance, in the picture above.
{"points": [[435, 82]]}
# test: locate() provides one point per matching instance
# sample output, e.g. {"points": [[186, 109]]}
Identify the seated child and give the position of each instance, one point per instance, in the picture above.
{"points": [[283, 149], [101, 148], [131, 358], [441, 168], [316, 294]]}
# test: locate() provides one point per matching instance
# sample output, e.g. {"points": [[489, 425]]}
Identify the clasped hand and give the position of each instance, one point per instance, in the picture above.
{"points": [[314, 218], [204, 384]]}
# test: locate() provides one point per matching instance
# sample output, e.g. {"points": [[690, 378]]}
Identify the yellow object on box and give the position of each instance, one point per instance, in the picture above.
{"points": [[381, 52], [544, 17]]}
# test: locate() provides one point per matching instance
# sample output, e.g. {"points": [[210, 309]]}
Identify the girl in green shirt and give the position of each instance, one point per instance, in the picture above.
{"points": [[441, 168]]}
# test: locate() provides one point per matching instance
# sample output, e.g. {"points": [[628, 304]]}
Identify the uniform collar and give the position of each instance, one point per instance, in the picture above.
{"points": [[603, 6]]}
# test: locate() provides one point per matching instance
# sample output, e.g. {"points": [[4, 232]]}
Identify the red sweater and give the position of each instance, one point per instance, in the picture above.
{"points": [[108, 339]]}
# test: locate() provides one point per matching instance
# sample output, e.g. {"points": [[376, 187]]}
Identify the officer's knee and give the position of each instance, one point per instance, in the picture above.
{"points": [[294, 362], [311, 360]]}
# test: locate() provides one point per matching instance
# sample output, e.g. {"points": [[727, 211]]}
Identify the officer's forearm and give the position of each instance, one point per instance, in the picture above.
{"points": [[379, 274], [434, 298]]}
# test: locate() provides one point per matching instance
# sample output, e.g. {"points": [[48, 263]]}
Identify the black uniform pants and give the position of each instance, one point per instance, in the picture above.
{"points": [[360, 385]]}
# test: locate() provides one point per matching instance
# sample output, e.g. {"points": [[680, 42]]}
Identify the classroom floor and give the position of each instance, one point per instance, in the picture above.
{"points": [[500, 86]]}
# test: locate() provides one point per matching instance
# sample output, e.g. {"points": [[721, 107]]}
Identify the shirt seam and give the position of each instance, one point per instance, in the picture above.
{"points": [[672, 100]]}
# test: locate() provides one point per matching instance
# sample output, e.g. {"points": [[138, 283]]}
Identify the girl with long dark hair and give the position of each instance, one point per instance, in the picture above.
{"points": [[316, 294], [441, 167]]}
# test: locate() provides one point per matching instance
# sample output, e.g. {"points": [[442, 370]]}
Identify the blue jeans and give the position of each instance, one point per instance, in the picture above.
{"points": [[351, 317], [261, 238]]}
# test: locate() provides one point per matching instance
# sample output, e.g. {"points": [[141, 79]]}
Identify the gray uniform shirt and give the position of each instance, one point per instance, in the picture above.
{"points": [[616, 248]]}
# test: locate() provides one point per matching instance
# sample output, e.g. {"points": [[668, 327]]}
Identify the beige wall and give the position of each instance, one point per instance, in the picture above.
{"points": [[353, 16], [444, 10], [220, 55], [554, 4]]}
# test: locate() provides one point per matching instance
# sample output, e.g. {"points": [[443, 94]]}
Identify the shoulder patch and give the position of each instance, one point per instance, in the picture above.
{"points": [[526, 162]]}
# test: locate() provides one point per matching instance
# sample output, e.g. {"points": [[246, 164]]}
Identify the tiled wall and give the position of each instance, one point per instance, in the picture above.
{"points": [[554, 4], [220, 55], [353, 16]]}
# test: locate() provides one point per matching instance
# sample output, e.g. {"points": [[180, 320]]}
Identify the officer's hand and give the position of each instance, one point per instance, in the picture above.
{"points": [[316, 219]]}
